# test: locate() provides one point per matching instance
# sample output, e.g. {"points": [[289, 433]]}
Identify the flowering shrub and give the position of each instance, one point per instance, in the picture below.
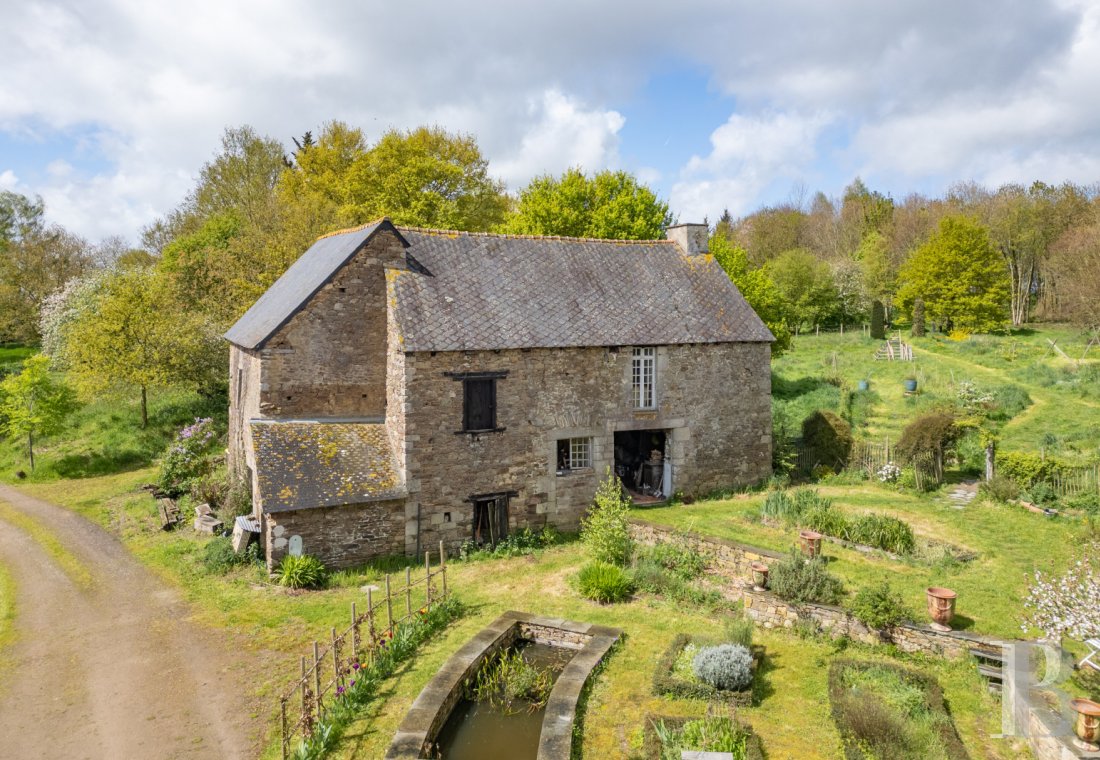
{"points": [[186, 459], [1067, 605], [889, 473]]}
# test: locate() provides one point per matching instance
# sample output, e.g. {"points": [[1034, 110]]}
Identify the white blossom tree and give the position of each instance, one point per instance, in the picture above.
{"points": [[1068, 604]]}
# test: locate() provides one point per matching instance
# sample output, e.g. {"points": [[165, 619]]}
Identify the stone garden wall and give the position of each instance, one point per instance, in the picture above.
{"points": [[770, 611]]}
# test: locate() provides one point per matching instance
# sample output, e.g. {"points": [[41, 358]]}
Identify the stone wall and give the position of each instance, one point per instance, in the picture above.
{"points": [[342, 536], [714, 403], [244, 405], [329, 360], [770, 611]]}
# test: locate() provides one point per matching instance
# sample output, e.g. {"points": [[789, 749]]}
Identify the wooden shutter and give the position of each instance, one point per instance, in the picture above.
{"points": [[480, 404]]}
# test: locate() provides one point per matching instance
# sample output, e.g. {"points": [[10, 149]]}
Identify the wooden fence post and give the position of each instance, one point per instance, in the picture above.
{"points": [[428, 578], [354, 634], [282, 705], [408, 591], [443, 568], [372, 631], [337, 678], [317, 679], [389, 607]]}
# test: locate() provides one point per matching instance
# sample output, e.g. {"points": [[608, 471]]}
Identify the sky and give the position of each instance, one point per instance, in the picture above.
{"points": [[109, 108]]}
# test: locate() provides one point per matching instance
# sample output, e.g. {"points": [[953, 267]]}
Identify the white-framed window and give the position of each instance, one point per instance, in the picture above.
{"points": [[644, 377], [574, 454]]}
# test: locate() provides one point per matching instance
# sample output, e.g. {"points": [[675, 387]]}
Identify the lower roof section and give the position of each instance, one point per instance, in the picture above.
{"points": [[301, 464]]}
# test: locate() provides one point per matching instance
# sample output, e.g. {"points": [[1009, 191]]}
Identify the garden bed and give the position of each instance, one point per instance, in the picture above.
{"points": [[673, 677], [654, 749], [884, 710]]}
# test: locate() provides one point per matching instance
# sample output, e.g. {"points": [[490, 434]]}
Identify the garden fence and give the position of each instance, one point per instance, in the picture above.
{"points": [[1071, 481], [867, 456], [329, 666]]}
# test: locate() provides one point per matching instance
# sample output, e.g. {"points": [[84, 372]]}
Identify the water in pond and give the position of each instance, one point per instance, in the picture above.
{"points": [[479, 731]]}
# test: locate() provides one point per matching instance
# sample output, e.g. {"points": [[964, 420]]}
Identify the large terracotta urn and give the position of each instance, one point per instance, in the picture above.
{"points": [[759, 575], [810, 541], [941, 607], [1087, 723]]}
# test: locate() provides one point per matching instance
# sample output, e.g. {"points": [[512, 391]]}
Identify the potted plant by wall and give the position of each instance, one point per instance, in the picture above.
{"points": [[759, 575], [910, 384], [810, 541], [941, 607], [1087, 724]]}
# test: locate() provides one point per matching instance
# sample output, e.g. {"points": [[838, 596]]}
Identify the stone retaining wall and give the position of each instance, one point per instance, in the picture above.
{"points": [[770, 611]]}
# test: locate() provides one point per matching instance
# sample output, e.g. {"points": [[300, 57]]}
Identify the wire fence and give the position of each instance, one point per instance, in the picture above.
{"points": [[326, 670]]}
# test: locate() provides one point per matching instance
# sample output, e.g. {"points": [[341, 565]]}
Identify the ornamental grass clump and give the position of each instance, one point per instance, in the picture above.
{"points": [[302, 572], [727, 667], [604, 583], [881, 532]]}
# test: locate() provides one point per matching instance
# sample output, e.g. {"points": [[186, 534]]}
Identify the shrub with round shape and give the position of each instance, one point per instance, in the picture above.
{"points": [[603, 582], [726, 666], [828, 438]]}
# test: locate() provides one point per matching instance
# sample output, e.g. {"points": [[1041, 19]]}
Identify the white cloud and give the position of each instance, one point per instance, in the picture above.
{"points": [[8, 180], [748, 154], [972, 88], [564, 135]]}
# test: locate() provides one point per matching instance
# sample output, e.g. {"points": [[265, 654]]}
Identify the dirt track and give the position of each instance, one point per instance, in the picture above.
{"points": [[113, 671]]}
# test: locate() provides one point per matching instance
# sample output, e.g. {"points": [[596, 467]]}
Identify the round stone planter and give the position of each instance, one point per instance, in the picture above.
{"points": [[941, 607], [810, 541], [759, 575], [1086, 724]]}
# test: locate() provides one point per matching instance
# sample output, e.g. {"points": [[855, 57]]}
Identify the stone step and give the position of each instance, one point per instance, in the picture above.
{"points": [[991, 672]]}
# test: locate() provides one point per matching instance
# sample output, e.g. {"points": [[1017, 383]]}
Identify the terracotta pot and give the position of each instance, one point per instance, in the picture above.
{"points": [[1087, 723], [811, 543], [759, 575], [941, 607]]}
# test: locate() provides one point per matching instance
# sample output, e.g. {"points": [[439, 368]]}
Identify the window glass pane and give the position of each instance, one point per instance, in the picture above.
{"points": [[580, 452], [643, 372]]}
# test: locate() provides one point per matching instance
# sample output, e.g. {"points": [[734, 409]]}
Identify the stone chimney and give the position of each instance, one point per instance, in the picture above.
{"points": [[693, 239]]}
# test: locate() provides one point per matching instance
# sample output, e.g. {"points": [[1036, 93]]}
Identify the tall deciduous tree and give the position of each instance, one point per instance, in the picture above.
{"points": [[960, 277], [131, 335], [757, 288], [806, 284], [612, 205], [34, 404]]}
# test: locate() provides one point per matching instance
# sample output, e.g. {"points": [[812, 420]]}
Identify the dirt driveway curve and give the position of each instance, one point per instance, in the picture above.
{"points": [[113, 671]]}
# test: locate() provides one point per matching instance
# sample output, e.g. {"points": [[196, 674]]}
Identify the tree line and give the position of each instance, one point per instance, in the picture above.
{"points": [[136, 319]]}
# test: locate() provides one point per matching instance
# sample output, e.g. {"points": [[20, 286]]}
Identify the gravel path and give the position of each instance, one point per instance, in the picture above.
{"points": [[114, 670]]}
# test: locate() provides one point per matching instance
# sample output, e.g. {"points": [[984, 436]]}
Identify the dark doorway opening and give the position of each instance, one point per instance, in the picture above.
{"points": [[490, 519], [640, 463]]}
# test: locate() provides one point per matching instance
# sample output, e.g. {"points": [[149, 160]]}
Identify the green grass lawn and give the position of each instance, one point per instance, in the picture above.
{"points": [[1064, 417], [1010, 542]]}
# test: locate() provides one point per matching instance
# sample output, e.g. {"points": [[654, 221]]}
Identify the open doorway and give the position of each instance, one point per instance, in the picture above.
{"points": [[490, 523], [642, 465]]}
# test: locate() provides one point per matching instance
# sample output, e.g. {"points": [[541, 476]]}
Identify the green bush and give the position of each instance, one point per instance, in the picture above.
{"points": [[798, 579], [674, 675], [881, 532], [878, 320], [727, 667], [926, 441], [302, 572], [604, 531], [918, 318], [739, 630], [603, 582], [1040, 494], [1001, 488], [187, 459], [218, 557], [879, 606], [828, 438], [825, 519], [654, 578], [679, 560], [1086, 501], [1025, 467]]}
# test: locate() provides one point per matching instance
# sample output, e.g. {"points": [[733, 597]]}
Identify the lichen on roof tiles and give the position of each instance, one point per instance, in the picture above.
{"points": [[305, 463]]}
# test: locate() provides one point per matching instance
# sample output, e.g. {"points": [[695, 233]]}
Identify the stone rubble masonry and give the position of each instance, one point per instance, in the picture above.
{"points": [[713, 401], [770, 611], [342, 356], [340, 537], [1049, 733]]}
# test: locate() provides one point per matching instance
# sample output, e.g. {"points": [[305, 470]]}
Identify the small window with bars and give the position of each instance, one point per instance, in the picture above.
{"points": [[644, 376], [574, 454]]}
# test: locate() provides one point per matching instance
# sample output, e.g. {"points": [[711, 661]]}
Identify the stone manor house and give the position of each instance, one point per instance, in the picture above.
{"points": [[398, 386]]}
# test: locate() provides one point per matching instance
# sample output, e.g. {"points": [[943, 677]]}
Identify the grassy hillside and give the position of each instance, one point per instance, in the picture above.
{"points": [[1063, 418]]}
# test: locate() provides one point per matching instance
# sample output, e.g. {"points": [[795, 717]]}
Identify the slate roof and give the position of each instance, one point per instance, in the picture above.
{"points": [[299, 283], [479, 291], [302, 464], [498, 292]]}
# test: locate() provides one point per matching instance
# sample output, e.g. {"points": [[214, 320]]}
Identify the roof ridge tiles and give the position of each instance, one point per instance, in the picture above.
{"points": [[510, 236]]}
